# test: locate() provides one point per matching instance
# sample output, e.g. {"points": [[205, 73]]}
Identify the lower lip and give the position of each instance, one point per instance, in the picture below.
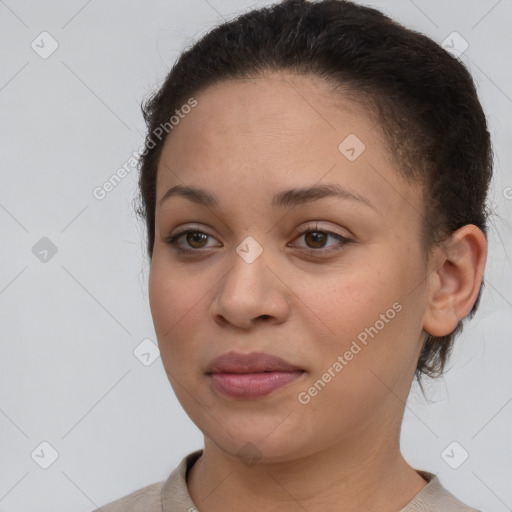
{"points": [[251, 385]]}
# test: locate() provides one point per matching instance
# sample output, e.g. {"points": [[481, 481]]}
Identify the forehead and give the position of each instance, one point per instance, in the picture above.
{"points": [[280, 131], [276, 106]]}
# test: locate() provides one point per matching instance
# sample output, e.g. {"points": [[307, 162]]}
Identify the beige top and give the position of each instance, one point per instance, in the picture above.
{"points": [[173, 496]]}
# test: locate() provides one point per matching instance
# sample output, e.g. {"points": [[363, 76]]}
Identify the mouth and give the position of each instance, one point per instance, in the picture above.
{"points": [[250, 376]]}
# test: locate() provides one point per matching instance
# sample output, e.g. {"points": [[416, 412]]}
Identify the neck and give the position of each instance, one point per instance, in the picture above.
{"points": [[357, 473]]}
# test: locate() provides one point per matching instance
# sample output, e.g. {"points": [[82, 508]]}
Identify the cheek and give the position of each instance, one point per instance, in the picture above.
{"points": [[177, 302], [345, 302], [178, 307], [369, 317]]}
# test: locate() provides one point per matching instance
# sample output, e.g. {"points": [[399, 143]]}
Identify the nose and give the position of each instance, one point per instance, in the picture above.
{"points": [[251, 292]]}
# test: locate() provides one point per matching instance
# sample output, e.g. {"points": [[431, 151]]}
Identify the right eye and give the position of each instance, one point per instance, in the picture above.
{"points": [[194, 238]]}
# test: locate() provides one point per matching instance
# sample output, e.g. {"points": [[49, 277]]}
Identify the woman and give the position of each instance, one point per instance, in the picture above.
{"points": [[314, 185]]}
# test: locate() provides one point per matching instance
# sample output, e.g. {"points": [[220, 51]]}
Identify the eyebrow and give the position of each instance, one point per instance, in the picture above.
{"points": [[285, 198]]}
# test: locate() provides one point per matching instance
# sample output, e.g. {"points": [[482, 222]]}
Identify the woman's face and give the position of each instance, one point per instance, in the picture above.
{"points": [[348, 315]]}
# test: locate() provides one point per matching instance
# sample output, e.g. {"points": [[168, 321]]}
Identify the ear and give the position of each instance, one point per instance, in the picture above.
{"points": [[456, 271]]}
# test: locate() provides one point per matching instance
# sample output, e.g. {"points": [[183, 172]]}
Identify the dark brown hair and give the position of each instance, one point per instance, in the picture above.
{"points": [[424, 99]]}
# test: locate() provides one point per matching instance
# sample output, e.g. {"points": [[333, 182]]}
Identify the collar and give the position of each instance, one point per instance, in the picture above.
{"points": [[432, 498]]}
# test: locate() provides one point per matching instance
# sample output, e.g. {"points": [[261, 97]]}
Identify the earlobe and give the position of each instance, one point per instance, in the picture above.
{"points": [[455, 276]]}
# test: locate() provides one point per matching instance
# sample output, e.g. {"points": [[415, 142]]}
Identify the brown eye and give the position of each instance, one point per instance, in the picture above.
{"points": [[196, 239], [190, 240], [316, 239]]}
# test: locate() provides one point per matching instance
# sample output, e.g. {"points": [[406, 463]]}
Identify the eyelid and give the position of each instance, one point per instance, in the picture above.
{"points": [[190, 227], [316, 226]]}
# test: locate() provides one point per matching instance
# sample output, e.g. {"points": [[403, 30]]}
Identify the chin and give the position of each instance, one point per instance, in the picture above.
{"points": [[252, 441]]}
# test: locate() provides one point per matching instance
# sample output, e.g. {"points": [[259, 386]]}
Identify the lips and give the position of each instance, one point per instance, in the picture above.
{"points": [[255, 362], [250, 376]]}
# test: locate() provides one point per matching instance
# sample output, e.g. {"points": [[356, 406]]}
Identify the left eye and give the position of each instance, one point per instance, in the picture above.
{"points": [[316, 240]]}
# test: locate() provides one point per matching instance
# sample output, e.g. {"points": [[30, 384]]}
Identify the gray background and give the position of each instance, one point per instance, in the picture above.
{"points": [[70, 323]]}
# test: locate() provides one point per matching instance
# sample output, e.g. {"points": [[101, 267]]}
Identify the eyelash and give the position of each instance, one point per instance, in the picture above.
{"points": [[342, 241]]}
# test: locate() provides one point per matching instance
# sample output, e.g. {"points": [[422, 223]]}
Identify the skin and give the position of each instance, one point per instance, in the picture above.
{"points": [[243, 142]]}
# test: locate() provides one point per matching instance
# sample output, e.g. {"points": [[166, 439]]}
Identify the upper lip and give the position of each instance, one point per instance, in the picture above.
{"points": [[254, 362]]}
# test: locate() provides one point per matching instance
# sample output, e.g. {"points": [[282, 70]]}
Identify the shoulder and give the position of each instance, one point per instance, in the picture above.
{"points": [[146, 499], [436, 498], [169, 496]]}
